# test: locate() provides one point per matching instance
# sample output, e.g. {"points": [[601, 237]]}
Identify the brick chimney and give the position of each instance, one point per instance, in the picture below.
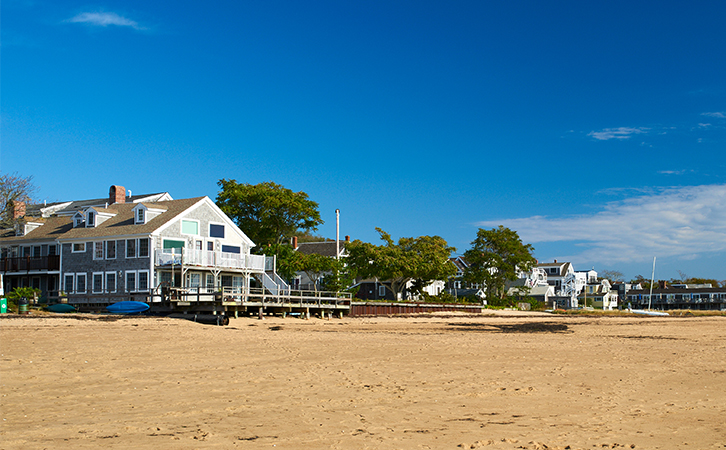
{"points": [[116, 194], [294, 242], [347, 239], [663, 284], [18, 209]]}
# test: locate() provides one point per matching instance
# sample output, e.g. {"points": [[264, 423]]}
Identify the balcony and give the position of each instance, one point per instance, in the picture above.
{"points": [[211, 259], [30, 263]]}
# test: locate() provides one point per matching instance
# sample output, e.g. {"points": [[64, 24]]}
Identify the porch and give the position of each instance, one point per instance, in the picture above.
{"points": [[209, 259]]}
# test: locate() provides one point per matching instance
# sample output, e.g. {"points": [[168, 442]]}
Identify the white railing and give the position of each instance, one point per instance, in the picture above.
{"points": [[204, 258]]}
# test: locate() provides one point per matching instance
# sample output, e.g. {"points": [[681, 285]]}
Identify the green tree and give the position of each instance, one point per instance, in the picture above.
{"points": [[13, 188], [495, 257], [315, 266], [341, 277], [268, 213], [421, 260], [288, 261]]}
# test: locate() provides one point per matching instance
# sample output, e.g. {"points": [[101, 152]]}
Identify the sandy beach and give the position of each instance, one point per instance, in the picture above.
{"points": [[518, 381]]}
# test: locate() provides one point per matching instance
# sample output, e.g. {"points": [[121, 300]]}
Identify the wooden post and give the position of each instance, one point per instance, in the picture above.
{"points": [[261, 314]]}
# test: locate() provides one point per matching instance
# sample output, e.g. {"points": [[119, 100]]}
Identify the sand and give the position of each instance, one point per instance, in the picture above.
{"points": [[525, 381]]}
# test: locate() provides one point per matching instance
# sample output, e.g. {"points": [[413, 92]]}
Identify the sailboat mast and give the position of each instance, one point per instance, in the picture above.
{"points": [[652, 278]]}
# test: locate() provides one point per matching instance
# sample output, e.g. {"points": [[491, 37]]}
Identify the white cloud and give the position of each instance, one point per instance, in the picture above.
{"points": [[673, 222], [104, 19], [718, 115], [616, 133]]}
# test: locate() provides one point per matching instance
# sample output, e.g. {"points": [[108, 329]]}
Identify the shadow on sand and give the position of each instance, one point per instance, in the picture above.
{"points": [[527, 327]]}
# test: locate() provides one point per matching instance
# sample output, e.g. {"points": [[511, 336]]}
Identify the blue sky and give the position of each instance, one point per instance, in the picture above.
{"points": [[595, 129]]}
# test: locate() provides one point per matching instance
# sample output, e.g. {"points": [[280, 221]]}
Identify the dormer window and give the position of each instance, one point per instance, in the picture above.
{"points": [[78, 220], [145, 212], [91, 219]]}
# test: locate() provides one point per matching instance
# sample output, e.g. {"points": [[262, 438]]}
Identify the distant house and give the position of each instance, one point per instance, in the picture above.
{"points": [[330, 249], [103, 249], [600, 296], [671, 297], [372, 289]]}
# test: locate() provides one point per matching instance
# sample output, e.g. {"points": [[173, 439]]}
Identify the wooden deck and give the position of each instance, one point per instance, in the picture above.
{"points": [[231, 302]]}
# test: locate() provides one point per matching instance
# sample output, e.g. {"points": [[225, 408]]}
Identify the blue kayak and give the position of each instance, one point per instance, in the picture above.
{"points": [[127, 307], [61, 308]]}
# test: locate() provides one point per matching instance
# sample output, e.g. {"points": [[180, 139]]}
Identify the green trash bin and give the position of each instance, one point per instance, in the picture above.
{"points": [[3, 305]]}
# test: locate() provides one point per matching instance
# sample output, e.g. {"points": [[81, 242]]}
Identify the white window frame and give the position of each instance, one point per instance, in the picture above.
{"points": [[208, 278], [115, 249], [96, 249], [115, 281], [138, 247], [209, 230], [85, 283], [181, 227], [90, 219], [382, 290], [126, 248], [73, 247], [126, 280], [138, 278], [140, 215], [65, 282], [93, 282]]}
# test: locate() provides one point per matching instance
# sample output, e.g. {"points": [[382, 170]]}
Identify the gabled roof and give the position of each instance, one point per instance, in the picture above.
{"points": [[53, 228], [68, 208], [122, 224], [326, 248], [460, 262]]}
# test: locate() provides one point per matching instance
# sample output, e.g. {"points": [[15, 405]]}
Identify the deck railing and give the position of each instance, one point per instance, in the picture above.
{"points": [[28, 263], [205, 258]]}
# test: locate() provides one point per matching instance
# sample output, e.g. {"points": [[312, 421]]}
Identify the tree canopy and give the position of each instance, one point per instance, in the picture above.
{"points": [[13, 188], [268, 213], [421, 260], [495, 257]]}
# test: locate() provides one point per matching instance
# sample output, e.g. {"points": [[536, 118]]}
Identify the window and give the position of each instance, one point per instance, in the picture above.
{"points": [[79, 247], [143, 279], [210, 280], [140, 215], [144, 248], [131, 248], [166, 278], [198, 245], [194, 280], [130, 281], [97, 282], [210, 246], [216, 231], [230, 249], [91, 222], [172, 246], [190, 227], [81, 282], [35, 283], [68, 282], [52, 250], [110, 281], [36, 251], [98, 250], [381, 291], [110, 249]]}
